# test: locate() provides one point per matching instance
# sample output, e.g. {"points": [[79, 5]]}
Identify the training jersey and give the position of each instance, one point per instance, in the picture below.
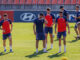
{"points": [[61, 23], [6, 26], [49, 19], [39, 25], [65, 13], [77, 15]]}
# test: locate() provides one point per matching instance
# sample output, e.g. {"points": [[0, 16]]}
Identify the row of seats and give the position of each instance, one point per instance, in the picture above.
{"points": [[39, 1]]}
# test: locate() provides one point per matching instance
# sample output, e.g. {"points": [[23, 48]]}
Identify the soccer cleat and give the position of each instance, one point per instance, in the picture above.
{"points": [[11, 50], [59, 52], [5, 50], [36, 51], [45, 51]]}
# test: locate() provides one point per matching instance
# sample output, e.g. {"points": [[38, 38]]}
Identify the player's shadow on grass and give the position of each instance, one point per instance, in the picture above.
{"points": [[36, 54], [72, 41], [2, 53], [56, 55]]}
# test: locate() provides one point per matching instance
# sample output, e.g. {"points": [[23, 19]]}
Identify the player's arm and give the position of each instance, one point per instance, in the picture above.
{"points": [[11, 27], [55, 27], [34, 28], [1, 25], [68, 27]]}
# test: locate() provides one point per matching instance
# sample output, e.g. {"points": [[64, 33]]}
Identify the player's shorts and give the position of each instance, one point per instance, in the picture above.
{"points": [[5, 36], [40, 36], [76, 25], [61, 33], [48, 29]]}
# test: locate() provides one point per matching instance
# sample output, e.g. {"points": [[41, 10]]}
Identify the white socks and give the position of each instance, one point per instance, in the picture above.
{"points": [[59, 49], [46, 46], [10, 47], [37, 50], [4, 48], [51, 46], [64, 48]]}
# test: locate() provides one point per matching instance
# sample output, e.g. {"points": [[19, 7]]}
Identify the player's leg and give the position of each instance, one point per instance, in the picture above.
{"points": [[44, 47], [59, 37], [4, 42], [75, 28], [37, 42], [79, 29], [64, 40], [4, 45], [51, 36], [46, 34], [10, 42]]}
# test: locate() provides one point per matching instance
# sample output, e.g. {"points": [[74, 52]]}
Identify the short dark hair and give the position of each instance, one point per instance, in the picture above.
{"points": [[60, 12], [61, 7], [5, 15], [77, 6], [41, 14], [48, 9]]}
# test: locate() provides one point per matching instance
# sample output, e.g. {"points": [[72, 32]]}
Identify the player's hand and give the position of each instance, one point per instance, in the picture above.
{"points": [[34, 33], [68, 31], [3, 30], [55, 32]]}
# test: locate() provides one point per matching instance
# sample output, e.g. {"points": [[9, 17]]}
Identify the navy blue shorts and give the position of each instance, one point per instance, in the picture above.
{"points": [[61, 33], [40, 36], [48, 29], [75, 26], [5, 36]]}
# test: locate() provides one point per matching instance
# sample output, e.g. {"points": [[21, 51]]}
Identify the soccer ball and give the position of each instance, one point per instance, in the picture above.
{"points": [[64, 58]]}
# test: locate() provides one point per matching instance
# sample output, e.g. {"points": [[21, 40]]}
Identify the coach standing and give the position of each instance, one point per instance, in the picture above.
{"points": [[49, 26], [65, 13]]}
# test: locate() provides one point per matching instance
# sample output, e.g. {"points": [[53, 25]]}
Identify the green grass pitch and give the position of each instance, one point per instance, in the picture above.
{"points": [[24, 45]]}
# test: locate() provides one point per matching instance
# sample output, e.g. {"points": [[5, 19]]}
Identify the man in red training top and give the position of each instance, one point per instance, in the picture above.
{"points": [[6, 25], [49, 26], [61, 22]]}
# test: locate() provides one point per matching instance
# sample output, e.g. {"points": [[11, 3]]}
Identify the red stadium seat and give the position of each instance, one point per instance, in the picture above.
{"points": [[41, 2], [73, 1], [4, 1], [0, 1], [35, 2], [78, 2], [54, 1], [16, 1], [22, 1], [60, 2], [67, 2], [48, 2], [28, 2], [10, 1]]}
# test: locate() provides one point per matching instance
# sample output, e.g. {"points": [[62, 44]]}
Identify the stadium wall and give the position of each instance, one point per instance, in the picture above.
{"points": [[29, 16]]}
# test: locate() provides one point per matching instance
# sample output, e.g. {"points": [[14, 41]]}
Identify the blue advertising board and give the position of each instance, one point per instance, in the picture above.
{"points": [[29, 16]]}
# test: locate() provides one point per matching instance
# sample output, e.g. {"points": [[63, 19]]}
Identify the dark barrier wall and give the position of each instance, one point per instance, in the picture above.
{"points": [[29, 16]]}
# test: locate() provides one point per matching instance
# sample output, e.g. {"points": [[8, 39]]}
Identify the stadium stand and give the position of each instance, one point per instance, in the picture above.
{"points": [[37, 4], [60, 2], [48, 2], [54, 1], [67, 1], [73, 1], [41, 2]]}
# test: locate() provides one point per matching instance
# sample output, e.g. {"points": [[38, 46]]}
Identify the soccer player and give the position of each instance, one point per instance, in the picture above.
{"points": [[65, 13], [49, 26], [61, 22], [39, 31], [77, 17], [6, 26]]}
